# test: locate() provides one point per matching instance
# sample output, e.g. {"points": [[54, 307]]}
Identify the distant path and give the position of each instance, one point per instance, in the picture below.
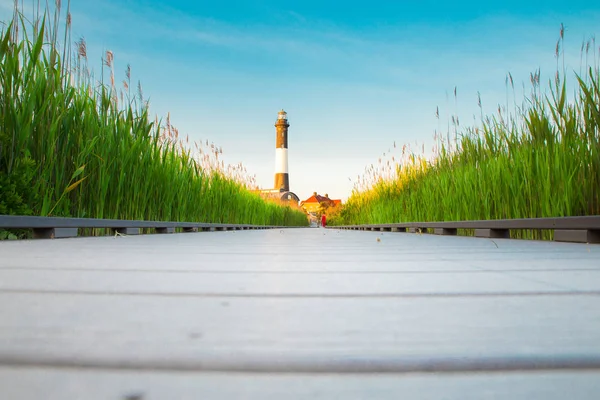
{"points": [[299, 313]]}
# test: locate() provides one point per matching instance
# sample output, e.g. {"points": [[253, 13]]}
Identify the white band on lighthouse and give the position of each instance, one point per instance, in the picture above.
{"points": [[281, 161]]}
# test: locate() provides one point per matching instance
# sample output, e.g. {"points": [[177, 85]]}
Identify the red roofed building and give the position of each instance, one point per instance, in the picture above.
{"points": [[317, 204]]}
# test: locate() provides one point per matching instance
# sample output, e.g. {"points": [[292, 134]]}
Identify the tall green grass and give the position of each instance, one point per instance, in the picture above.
{"points": [[540, 160], [71, 146]]}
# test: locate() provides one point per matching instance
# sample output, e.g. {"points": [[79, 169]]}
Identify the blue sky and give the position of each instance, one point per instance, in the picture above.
{"points": [[354, 77]]}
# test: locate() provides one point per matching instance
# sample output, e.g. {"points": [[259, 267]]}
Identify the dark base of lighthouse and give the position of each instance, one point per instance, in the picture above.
{"points": [[282, 182]]}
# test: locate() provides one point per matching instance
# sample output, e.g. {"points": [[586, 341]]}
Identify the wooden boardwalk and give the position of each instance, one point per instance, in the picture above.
{"points": [[299, 314]]}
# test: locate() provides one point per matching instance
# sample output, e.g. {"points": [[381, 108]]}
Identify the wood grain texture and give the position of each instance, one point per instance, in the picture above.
{"points": [[298, 313]]}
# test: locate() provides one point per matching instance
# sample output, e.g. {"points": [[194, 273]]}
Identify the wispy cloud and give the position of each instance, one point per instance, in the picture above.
{"points": [[357, 88], [391, 53]]}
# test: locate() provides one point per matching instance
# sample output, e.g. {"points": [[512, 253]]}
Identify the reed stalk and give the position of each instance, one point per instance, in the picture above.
{"points": [[69, 148], [540, 160]]}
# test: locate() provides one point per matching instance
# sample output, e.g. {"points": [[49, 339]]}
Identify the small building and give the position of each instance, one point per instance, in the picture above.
{"points": [[316, 204]]}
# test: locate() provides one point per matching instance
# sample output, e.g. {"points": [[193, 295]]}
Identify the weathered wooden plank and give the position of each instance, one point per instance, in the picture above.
{"points": [[308, 302], [213, 332], [189, 283], [93, 384], [296, 250]]}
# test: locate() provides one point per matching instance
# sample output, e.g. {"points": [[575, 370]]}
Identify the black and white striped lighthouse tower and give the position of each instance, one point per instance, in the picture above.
{"points": [[282, 179]]}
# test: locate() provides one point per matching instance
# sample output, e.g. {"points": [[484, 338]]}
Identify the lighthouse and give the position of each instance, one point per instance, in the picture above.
{"points": [[282, 179]]}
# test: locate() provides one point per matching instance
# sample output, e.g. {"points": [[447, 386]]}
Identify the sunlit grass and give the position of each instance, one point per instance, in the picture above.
{"points": [[73, 146], [541, 159]]}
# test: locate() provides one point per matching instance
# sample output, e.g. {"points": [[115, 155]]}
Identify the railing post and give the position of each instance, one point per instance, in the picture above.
{"points": [[493, 233], [445, 231], [54, 233], [127, 231], [577, 235]]}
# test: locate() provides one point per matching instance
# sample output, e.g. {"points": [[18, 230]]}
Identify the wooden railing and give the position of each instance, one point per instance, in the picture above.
{"points": [[584, 229], [55, 227]]}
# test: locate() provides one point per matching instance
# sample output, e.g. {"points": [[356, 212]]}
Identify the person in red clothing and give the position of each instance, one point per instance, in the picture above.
{"points": [[323, 220]]}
